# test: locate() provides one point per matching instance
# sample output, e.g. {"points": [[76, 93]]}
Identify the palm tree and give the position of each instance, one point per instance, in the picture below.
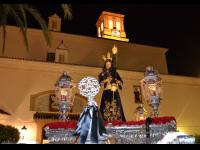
{"points": [[4, 114], [19, 14]]}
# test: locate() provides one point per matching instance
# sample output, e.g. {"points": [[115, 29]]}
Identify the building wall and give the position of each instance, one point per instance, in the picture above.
{"points": [[84, 50], [20, 79]]}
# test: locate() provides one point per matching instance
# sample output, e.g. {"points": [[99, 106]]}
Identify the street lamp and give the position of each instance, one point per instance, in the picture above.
{"points": [[151, 87], [23, 132], [65, 92]]}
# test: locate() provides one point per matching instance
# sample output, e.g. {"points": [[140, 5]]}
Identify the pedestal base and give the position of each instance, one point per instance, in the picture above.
{"points": [[132, 132]]}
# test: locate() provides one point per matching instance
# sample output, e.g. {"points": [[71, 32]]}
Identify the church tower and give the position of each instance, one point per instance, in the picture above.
{"points": [[54, 23], [111, 26]]}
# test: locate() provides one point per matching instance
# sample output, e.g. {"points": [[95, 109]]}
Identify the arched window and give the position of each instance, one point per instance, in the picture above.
{"points": [[102, 26], [118, 25], [99, 32], [110, 24], [54, 25]]}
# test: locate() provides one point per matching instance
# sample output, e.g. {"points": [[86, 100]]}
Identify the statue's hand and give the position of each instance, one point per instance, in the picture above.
{"points": [[109, 78], [118, 82]]}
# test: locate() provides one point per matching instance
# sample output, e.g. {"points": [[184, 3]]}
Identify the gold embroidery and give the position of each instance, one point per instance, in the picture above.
{"points": [[111, 111]]}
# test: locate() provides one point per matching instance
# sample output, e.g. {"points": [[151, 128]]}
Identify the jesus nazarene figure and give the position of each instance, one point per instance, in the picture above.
{"points": [[111, 106]]}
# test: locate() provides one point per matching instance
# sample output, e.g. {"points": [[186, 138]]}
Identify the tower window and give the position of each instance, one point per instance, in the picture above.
{"points": [[110, 24], [50, 57], [118, 25], [99, 32], [102, 26], [54, 25]]}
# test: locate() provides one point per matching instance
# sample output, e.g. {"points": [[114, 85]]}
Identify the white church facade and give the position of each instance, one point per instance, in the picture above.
{"points": [[28, 77]]}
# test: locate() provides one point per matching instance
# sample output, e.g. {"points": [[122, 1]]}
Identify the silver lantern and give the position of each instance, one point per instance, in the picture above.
{"points": [[65, 92], [152, 89]]}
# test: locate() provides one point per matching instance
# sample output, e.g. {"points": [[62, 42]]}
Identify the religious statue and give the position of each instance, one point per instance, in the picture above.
{"points": [[111, 107]]}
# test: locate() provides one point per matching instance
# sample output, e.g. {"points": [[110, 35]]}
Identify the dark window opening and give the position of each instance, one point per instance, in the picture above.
{"points": [[51, 57]]}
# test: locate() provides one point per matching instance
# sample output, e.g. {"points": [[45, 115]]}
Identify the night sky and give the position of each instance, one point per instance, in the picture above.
{"points": [[176, 27]]}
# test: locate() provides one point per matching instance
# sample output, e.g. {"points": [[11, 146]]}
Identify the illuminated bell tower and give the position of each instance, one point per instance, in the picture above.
{"points": [[111, 26]]}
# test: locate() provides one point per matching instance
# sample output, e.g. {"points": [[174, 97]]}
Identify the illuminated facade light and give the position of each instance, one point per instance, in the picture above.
{"points": [[23, 132]]}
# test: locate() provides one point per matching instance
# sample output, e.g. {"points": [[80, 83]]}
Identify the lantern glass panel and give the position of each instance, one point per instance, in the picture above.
{"points": [[64, 91], [152, 89]]}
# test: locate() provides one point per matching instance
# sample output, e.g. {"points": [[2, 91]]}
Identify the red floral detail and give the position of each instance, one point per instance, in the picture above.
{"points": [[160, 120], [72, 124], [63, 125], [163, 120]]}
